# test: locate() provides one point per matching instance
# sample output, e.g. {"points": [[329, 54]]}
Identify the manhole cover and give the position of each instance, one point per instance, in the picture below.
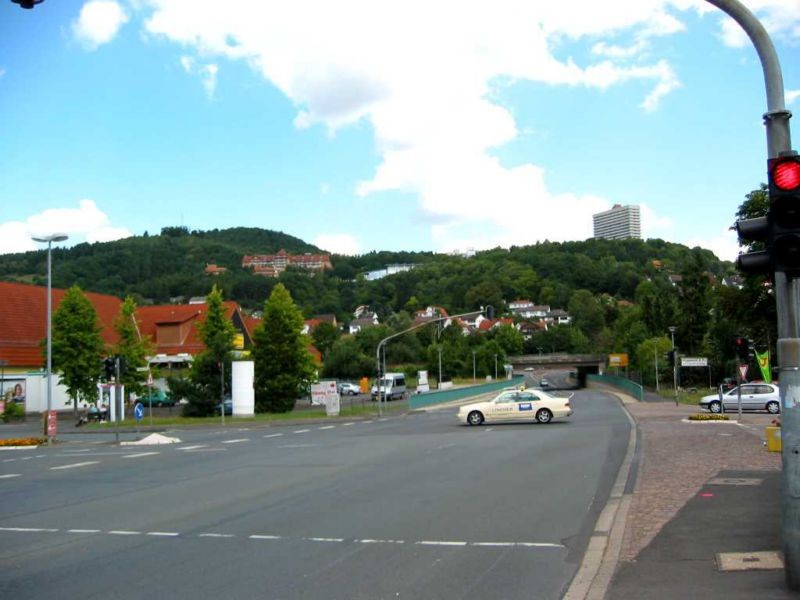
{"points": [[749, 561], [735, 481]]}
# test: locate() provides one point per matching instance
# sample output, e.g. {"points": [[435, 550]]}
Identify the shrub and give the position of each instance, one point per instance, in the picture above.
{"points": [[13, 411], [705, 417], [22, 442]]}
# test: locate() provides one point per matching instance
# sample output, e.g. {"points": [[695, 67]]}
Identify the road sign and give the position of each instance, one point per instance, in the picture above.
{"points": [[138, 411], [689, 361], [743, 372]]}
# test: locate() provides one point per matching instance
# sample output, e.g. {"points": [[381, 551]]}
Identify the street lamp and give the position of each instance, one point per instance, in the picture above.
{"points": [[495, 366], [672, 329], [49, 239], [473, 366]]}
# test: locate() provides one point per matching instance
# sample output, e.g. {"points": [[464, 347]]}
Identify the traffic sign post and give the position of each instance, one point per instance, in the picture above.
{"points": [[138, 414], [150, 395]]}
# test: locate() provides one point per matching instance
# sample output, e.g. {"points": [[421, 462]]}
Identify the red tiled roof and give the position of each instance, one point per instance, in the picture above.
{"points": [[23, 316]]}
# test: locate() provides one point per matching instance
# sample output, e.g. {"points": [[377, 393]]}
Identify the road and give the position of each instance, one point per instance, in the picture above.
{"points": [[415, 506]]}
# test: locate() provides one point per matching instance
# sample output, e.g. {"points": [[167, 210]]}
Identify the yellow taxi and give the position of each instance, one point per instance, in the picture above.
{"points": [[516, 405]]}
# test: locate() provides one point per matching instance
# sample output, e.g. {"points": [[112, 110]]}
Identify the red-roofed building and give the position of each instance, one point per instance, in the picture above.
{"points": [[173, 328], [23, 321]]}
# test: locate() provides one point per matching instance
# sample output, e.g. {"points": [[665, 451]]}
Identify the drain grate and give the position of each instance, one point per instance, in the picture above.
{"points": [[749, 561], [735, 481]]}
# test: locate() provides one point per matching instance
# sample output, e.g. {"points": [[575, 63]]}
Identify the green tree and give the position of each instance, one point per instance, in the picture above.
{"points": [[587, 313], [131, 347], [77, 346], [283, 365], [205, 384], [346, 360], [324, 336]]}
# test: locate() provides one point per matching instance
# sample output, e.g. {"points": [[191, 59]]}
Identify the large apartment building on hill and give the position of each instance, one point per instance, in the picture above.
{"points": [[272, 265]]}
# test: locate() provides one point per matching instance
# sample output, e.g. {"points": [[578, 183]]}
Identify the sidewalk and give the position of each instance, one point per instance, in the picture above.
{"points": [[702, 489]]}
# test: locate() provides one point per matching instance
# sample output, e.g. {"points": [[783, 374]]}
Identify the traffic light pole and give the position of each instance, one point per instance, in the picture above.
{"points": [[787, 296]]}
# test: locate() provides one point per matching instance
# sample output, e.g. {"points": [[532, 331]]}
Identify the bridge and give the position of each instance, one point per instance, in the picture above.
{"points": [[582, 364]]}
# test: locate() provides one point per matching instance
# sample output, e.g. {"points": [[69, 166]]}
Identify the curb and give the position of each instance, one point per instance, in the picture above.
{"points": [[592, 580]]}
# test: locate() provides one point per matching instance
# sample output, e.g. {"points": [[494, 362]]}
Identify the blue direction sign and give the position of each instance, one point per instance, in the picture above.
{"points": [[138, 411]]}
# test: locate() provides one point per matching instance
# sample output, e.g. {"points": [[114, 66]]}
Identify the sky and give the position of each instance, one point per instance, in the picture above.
{"points": [[363, 125]]}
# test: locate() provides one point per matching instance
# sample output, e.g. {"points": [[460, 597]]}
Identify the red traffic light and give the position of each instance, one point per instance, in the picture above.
{"points": [[786, 174]]}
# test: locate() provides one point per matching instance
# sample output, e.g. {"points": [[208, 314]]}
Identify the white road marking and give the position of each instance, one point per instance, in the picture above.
{"points": [[75, 465], [382, 420], [140, 454], [237, 441], [370, 421], [9, 460], [193, 447], [302, 431], [327, 427], [348, 424], [325, 540], [439, 543], [83, 531], [272, 435], [298, 446], [205, 450], [26, 458], [10, 475], [76, 451]]}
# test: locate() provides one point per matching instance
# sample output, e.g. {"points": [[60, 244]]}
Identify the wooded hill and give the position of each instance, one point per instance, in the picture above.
{"points": [[157, 268]]}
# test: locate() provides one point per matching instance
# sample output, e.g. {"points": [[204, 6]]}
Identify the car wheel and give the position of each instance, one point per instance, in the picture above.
{"points": [[475, 418], [715, 407], [773, 407], [544, 416]]}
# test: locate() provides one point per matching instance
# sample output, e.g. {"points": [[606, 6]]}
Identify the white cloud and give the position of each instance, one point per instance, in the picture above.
{"points": [[339, 243], [84, 223], [725, 245], [424, 86], [98, 23], [791, 96], [781, 18], [207, 72]]}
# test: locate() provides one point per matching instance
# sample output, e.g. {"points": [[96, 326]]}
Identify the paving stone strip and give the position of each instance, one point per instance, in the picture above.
{"points": [[678, 458]]}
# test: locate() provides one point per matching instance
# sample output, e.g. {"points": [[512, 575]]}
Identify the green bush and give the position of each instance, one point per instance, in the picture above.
{"points": [[13, 411]]}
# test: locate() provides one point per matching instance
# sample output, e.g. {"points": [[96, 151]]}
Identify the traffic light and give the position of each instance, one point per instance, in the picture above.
{"points": [[780, 229], [751, 350], [740, 348], [784, 210], [109, 368]]}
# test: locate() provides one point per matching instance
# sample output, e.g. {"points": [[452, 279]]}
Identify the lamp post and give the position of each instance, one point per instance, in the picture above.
{"points": [[495, 367], [49, 239], [672, 329], [473, 367]]}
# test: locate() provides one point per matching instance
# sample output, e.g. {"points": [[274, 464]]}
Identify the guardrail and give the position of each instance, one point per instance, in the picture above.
{"points": [[433, 398], [626, 385]]}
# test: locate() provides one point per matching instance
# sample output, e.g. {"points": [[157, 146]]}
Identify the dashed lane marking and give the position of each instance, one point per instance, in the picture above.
{"points": [[326, 427], [10, 475], [302, 431], [140, 454], [315, 539], [237, 441], [195, 447], [272, 435], [348, 424], [76, 465]]}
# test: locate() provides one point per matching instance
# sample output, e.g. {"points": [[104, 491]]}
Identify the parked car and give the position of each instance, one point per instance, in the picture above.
{"points": [[543, 383], [348, 389], [393, 386], [755, 396], [516, 405], [158, 397], [228, 406]]}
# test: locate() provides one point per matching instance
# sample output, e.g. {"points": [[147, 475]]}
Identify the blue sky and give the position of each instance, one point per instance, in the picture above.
{"points": [[362, 125]]}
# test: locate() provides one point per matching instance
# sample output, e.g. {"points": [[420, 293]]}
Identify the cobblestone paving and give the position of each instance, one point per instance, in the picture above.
{"points": [[679, 458]]}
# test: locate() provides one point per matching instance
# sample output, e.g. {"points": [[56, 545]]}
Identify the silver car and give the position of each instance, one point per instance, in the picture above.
{"points": [[755, 396]]}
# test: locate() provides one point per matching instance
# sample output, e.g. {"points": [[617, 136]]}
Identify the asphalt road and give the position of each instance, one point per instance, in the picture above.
{"points": [[416, 506]]}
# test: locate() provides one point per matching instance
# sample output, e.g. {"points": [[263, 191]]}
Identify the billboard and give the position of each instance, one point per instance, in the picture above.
{"points": [[618, 360]]}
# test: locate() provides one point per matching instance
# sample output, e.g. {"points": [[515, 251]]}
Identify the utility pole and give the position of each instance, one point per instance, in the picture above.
{"points": [[787, 286]]}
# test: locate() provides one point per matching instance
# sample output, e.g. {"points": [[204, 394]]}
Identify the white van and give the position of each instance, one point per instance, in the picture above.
{"points": [[393, 386]]}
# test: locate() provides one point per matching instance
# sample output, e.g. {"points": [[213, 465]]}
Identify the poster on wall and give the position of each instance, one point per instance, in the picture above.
{"points": [[13, 390]]}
